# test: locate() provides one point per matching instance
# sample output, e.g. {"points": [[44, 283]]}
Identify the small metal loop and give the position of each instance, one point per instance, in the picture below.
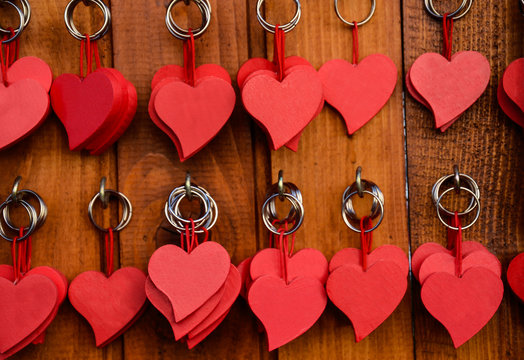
{"points": [[33, 223], [351, 23], [187, 186], [281, 184], [462, 10], [375, 207], [298, 208], [286, 27], [14, 192], [68, 18], [358, 181], [477, 205], [103, 198], [289, 188], [127, 210], [347, 220], [183, 34], [521, 5], [435, 193], [41, 216], [456, 179], [20, 27], [26, 9]]}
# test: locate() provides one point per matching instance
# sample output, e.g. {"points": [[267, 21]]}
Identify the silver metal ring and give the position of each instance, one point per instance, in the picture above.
{"points": [[347, 220], [127, 210], [477, 205], [370, 15], [287, 27], [32, 220], [457, 14], [299, 209], [20, 27], [17, 197], [183, 34], [375, 206], [289, 188], [68, 18], [26, 8], [465, 179]]}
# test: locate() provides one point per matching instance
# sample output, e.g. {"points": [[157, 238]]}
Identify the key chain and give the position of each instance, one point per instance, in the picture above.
{"points": [[358, 90], [24, 84], [460, 285], [110, 301], [95, 107], [282, 96], [448, 84], [193, 285], [41, 290], [285, 290], [206, 96], [367, 286]]}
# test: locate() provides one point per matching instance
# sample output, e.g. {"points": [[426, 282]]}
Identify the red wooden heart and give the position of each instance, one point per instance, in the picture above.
{"points": [[513, 81], [463, 304], [358, 92], [199, 115], [286, 310], [189, 280], [509, 107], [244, 269], [450, 87], [304, 263], [212, 70], [24, 105], [168, 72], [194, 341], [367, 297], [30, 67], [108, 304], [352, 256], [515, 276], [250, 66], [284, 108], [24, 307]]}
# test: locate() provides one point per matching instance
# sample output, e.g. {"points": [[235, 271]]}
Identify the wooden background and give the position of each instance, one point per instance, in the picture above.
{"points": [[399, 150]]}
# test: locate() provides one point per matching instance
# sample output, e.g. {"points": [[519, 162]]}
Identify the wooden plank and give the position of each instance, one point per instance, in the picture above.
{"points": [[149, 168], [326, 162], [487, 146], [66, 181]]}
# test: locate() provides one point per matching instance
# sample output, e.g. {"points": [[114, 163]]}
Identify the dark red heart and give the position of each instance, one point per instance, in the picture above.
{"points": [[513, 81], [515, 276], [353, 256]]}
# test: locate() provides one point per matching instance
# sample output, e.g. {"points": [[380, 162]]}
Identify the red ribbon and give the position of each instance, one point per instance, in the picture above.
{"points": [[455, 243], [366, 239], [89, 47], [21, 255], [8, 54], [355, 43], [447, 33], [109, 246], [189, 237], [279, 51], [189, 59]]}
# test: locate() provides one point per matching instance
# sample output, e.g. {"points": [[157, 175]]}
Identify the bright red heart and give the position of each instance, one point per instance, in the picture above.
{"points": [[464, 305], [515, 276], [513, 81], [108, 304], [199, 114], [353, 256], [509, 107], [304, 263], [286, 310], [194, 341], [30, 67], [189, 280], [24, 105], [358, 91], [24, 307], [368, 297], [450, 87]]}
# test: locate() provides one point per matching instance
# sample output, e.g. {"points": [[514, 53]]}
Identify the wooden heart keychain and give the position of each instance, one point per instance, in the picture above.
{"points": [[95, 109], [24, 84], [285, 290], [206, 97], [358, 90], [461, 285], [29, 297], [367, 286], [112, 301], [193, 285], [448, 84], [282, 96]]}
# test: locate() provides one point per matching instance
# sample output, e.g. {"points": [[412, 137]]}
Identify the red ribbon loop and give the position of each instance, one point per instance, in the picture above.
{"points": [[279, 51], [189, 59], [366, 239], [447, 30], [109, 246], [355, 43]]}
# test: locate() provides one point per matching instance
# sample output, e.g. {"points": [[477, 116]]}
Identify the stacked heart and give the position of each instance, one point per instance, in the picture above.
{"points": [[286, 294], [28, 306], [24, 99], [95, 110], [282, 108], [510, 92], [191, 115], [194, 290], [448, 88], [110, 304], [462, 291], [367, 294], [516, 276]]}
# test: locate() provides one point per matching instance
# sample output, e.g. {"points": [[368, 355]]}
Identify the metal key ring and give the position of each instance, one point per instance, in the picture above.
{"points": [[348, 222], [477, 200], [287, 27], [68, 18], [32, 220], [289, 188], [26, 8], [370, 15], [208, 222], [20, 27], [375, 207], [180, 193], [127, 210], [435, 193], [41, 216], [457, 14], [299, 209], [183, 34]]}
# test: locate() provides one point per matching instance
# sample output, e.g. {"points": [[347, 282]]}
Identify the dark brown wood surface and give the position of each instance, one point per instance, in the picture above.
{"points": [[399, 150]]}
